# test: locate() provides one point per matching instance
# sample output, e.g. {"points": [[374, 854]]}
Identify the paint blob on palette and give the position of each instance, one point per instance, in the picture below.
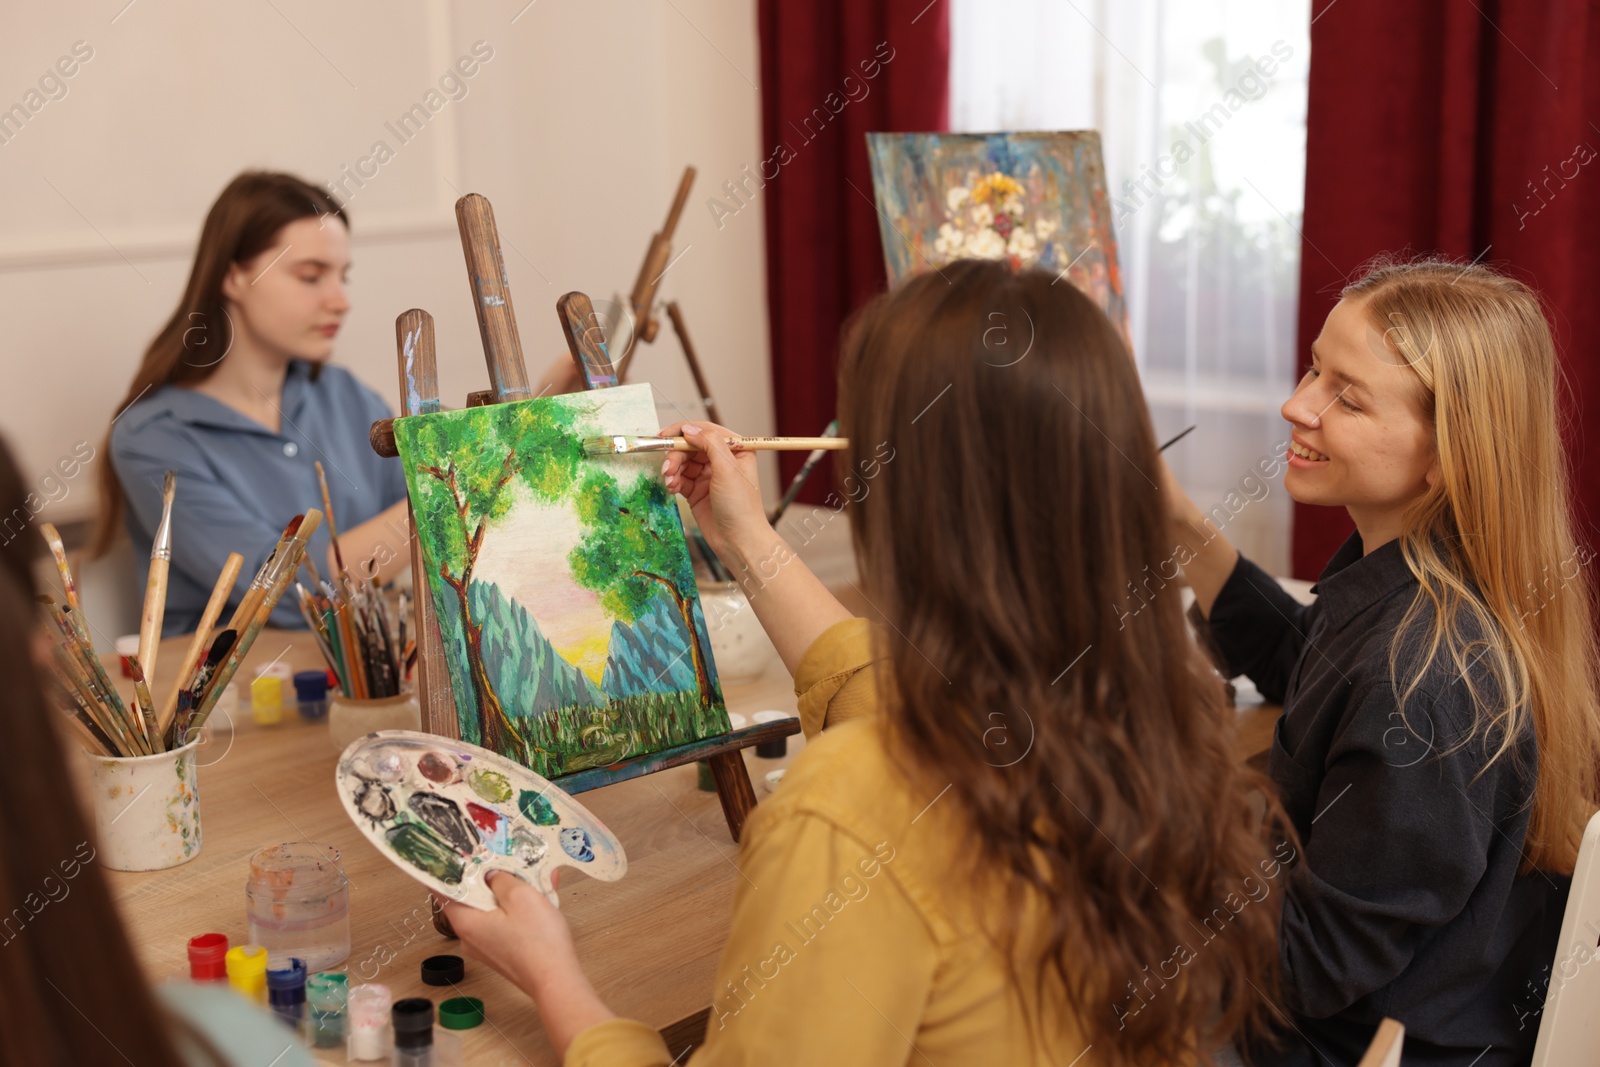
{"points": [[447, 813]]}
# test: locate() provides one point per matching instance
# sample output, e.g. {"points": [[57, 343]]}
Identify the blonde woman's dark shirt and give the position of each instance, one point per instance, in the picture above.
{"points": [[1407, 900]]}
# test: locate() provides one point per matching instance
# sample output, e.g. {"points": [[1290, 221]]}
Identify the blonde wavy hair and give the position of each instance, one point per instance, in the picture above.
{"points": [[1492, 540]]}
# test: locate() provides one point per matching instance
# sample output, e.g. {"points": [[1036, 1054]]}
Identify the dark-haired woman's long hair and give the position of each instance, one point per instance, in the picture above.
{"points": [[72, 988], [243, 223], [1018, 543]]}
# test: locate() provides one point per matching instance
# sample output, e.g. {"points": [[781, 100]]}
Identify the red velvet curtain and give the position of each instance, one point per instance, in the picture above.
{"points": [[1464, 127], [831, 72]]}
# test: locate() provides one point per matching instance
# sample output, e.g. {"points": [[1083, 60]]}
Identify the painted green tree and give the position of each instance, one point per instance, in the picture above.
{"points": [[471, 486], [627, 555]]}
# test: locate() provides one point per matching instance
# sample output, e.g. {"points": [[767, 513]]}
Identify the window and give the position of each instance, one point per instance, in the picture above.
{"points": [[1201, 106]]}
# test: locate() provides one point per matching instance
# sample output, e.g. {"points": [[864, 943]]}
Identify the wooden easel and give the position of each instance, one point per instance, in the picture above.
{"points": [[508, 377]]}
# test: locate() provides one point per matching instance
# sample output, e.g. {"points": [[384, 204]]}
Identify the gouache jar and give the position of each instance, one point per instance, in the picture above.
{"points": [[208, 955], [368, 1019], [328, 997], [266, 700], [247, 972], [779, 747], [297, 901], [413, 1032], [286, 994], [127, 645], [311, 693]]}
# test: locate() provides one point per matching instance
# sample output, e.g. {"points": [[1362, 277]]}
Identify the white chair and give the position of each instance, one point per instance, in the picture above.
{"points": [[1385, 1048], [1568, 1036]]}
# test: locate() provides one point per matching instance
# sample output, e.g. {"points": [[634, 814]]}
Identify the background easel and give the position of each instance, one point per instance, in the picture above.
{"points": [[641, 302], [508, 377]]}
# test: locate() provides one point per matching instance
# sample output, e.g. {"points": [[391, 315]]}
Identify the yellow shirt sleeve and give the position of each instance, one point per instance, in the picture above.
{"points": [[836, 680], [617, 1043], [828, 962]]}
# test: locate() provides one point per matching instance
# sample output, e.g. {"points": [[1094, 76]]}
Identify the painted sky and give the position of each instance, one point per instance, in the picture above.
{"points": [[525, 554]]}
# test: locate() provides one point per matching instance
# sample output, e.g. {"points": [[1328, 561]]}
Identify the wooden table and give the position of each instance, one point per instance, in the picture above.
{"points": [[649, 943]]}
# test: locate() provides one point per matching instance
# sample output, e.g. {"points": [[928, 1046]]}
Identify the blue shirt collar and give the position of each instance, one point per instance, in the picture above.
{"points": [[198, 409]]}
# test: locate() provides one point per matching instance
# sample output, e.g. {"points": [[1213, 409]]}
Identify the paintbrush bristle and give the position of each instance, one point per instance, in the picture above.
{"points": [[168, 485]]}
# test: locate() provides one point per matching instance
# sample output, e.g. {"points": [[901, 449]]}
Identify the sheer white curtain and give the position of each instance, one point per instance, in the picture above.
{"points": [[1201, 106]]}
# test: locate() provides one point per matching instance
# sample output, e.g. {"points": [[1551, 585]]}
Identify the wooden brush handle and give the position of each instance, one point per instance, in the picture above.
{"points": [[281, 578], [775, 444], [155, 602], [202, 636]]}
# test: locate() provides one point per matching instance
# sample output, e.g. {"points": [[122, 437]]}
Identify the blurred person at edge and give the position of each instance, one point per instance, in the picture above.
{"points": [[73, 989]]}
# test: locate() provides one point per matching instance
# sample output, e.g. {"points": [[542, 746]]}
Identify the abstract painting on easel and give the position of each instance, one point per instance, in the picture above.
{"points": [[563, 585], [1032, 199]]}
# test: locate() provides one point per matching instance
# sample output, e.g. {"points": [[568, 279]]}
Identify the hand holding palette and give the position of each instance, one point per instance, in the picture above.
{"points": [[447, 813]]}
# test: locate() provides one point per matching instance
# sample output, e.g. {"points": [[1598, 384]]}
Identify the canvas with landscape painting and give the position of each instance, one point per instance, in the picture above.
{"points": [[1033, 199], [563, 585]]}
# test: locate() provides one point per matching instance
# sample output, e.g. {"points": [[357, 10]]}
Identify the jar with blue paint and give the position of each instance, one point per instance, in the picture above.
{"points": [[286, 995], [311, 693]]}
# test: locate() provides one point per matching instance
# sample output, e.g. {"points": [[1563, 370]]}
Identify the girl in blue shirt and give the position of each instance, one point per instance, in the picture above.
{"points": [[237, 396]]}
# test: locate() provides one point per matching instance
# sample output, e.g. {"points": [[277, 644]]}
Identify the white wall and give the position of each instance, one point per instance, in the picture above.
{"points": [[576, 130]]}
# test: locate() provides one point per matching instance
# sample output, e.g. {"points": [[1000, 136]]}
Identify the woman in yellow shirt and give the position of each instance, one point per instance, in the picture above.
{"points": [[1017, 833]]}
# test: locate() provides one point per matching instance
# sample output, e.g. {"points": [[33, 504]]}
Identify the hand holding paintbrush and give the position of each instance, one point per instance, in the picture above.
{"points": [[719, 484]]}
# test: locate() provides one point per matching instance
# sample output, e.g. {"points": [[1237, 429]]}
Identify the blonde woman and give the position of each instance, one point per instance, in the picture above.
{"points": [[1438, 748]]}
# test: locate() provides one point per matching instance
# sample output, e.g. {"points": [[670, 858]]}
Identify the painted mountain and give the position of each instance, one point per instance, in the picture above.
{"points": [[633, 665], [562, 582]]}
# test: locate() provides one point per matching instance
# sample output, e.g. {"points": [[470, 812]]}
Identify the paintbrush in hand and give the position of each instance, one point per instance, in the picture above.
{"points": [[1176, 439], [625, 444]]}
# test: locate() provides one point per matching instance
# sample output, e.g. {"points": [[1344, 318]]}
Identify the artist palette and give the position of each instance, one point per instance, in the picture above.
{"points": [[447, 813]]}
